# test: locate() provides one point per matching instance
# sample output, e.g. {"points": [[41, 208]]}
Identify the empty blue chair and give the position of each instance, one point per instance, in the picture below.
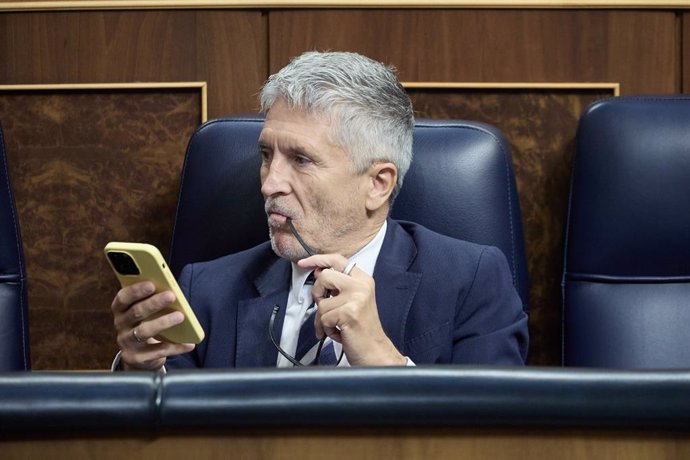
{"points": [[626, 279]]}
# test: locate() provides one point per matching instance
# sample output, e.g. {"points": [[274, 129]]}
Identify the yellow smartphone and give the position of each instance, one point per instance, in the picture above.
{"points": [[134, 262]]}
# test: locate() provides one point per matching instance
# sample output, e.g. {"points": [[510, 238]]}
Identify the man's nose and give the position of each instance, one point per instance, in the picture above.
{"points": [[275, 178]]}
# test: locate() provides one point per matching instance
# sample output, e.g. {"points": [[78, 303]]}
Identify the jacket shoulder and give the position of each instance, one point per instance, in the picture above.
{"points": [[247, 264], [431, 244]]}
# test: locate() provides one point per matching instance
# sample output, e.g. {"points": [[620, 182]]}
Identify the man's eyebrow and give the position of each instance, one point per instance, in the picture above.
{"points": [[298, 149], [293, 148]]}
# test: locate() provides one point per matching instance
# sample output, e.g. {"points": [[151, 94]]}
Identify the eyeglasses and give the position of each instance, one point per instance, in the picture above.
{"points": [[285, 354], [276, 307]]}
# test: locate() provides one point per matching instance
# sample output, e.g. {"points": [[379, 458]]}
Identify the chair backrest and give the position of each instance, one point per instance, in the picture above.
{"points": [[14, 324], [626, 280], [461, 184]]}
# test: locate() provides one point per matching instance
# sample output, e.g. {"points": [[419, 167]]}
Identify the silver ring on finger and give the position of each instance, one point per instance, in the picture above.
{"points": [[135, 333], [349, 267]]}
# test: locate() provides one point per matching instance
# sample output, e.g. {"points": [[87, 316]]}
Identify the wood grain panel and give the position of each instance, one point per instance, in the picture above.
{"points": [[346, 444], [540, 125], [89, 167], [66, 5], [635, 48], [227, 49], [135, 149], [685, 50]]}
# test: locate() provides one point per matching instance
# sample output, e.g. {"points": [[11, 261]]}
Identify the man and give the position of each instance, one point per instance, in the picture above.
{"points": [[335, 147]]}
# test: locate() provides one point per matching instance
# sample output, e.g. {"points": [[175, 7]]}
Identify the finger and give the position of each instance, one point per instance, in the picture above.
{"points": [[325, 286], [154, 327], [327, 325], [153, 356], [332, 283], [126, 338], [142, 310], [325, 329], [131, 294], [318, 328], [163, 350], [335, 261]]}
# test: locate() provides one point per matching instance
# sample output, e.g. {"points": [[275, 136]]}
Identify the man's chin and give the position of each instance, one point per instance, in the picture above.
{"points": [[291, 252]]}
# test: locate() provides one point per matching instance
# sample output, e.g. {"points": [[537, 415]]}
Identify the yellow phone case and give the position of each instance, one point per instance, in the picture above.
{"points": [[152, 267]]}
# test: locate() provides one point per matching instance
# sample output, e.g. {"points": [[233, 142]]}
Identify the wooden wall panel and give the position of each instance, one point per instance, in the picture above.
{"points": [[637, 49], [540, 125], [113, 169], [685, 52], [227, 49], [467, 443], [89, 167]]}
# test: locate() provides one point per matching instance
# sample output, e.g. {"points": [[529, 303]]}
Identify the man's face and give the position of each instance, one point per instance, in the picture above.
{"points": [[307, 178]]}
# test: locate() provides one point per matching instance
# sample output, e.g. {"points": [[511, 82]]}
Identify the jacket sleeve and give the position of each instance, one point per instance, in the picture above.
{"points": [[490, 325]]}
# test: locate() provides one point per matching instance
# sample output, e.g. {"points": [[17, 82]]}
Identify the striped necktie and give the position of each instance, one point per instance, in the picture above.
{"points": [[307, 343]]}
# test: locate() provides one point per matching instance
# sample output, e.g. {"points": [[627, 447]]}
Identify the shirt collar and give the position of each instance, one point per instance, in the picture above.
{"points": [[366, 257]]}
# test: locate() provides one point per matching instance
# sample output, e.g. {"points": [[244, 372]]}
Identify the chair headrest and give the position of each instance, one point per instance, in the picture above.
{"points": [[629, 213]]}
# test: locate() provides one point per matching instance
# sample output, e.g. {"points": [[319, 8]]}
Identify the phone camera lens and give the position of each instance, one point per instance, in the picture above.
{"points": [[123, 263]]}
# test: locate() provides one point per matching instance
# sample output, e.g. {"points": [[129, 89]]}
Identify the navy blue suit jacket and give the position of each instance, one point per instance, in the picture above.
{"points": [[440, 300]]}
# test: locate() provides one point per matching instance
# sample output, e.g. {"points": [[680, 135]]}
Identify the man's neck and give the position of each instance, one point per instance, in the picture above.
{"points": [[363, 237]]}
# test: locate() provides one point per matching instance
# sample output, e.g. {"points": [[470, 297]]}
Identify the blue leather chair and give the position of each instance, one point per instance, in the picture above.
{"points": [[626, 280], [14, 324], [461, 184]]}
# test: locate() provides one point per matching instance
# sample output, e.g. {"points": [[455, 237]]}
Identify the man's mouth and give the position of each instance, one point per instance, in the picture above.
{"points": [[277, 214], [276, 219], [280, 219]]}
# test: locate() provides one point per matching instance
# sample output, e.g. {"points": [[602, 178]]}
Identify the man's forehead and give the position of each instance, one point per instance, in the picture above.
{"points": [[295, 131], [280, 135], [270, 137]]}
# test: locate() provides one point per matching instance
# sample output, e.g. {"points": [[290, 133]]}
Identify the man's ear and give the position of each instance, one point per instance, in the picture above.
{"points": [[382, 180]]}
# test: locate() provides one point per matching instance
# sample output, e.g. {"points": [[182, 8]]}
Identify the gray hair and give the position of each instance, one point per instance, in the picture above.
{"points": [[371, 113]]}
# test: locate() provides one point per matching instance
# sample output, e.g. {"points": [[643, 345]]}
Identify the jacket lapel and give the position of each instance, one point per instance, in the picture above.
{"points": [[254, 347], [396, 286]]}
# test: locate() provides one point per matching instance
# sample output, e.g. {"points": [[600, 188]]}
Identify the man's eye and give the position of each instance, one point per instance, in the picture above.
{"points": [[265, 156], [302, 160]]}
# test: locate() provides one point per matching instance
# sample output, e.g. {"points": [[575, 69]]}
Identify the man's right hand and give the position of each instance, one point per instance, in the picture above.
{"points": [[133, 308]]}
